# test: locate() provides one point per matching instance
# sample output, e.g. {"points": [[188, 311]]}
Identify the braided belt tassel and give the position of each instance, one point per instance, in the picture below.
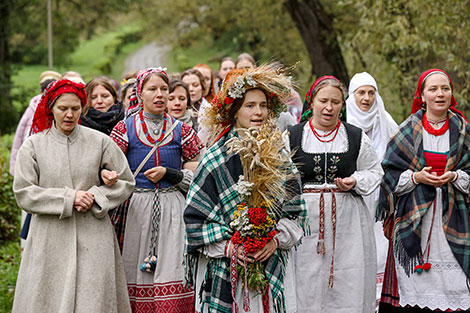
{"points": [[150, 262]]}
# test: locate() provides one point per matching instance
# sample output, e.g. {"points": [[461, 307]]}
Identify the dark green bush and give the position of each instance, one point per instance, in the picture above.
{"points": [[10, 214]]}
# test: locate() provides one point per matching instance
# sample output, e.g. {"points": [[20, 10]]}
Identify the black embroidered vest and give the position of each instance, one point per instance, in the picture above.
{"points": [[312, 165]]}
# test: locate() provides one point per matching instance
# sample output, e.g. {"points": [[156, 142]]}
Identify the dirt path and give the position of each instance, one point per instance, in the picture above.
{"points": [[151, 55]]}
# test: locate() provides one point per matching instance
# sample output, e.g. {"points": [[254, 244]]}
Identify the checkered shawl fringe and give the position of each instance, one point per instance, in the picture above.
{"points": [[118, 219], [210, 205], [405, 151]]}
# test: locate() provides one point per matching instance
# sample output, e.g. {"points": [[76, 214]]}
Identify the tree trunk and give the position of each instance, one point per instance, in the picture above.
{"points": [[7, 113], [316, 29]]}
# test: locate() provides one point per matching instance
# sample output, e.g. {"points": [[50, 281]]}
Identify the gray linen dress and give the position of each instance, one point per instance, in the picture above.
{"points": [[71, 261]]}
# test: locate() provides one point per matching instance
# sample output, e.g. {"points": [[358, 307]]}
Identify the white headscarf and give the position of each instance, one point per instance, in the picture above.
{"points": [[376, 122]]}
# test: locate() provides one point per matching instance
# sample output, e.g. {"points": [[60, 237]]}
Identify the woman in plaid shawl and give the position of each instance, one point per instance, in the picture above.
{"points": [[247, 99], [425, 196]]}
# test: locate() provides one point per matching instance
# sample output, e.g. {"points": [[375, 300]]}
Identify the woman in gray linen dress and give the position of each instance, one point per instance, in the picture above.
{"points": [[71, 260]]}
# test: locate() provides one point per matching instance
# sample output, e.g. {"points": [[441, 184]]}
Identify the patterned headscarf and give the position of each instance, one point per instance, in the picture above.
{"points": [[43, 116], [135, 101], [418, 102]]}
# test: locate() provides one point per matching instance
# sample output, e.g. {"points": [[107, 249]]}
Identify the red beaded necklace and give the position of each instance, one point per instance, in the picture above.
{"points": [[319, 137], [436, 132], [145, 129]]}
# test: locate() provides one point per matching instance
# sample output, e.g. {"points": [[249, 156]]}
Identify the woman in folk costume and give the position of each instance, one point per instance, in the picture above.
{"points": [[244, 182], [365, 109], [156, 145], [425, 195], [336, 265], [71, 260]]}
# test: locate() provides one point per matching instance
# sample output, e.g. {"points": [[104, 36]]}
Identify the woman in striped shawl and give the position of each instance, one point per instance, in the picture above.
{"points": [[425, 198], [248, 100]]}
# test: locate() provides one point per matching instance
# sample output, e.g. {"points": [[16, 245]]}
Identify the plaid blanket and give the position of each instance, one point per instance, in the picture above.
{"points": [[210, 205], [405, 151]]}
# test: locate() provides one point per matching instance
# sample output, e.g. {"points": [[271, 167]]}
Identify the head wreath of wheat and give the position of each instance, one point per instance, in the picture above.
{"points": [[269, 79]]}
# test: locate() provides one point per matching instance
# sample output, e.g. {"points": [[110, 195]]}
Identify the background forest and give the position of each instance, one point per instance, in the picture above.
{"points": [[394, 40]]}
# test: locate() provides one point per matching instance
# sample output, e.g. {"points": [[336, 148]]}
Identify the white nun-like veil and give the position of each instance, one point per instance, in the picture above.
{"points": [[376, 122]]}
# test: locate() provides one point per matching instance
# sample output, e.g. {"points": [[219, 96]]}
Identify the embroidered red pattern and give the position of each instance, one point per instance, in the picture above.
{"points": [[166, 297]]}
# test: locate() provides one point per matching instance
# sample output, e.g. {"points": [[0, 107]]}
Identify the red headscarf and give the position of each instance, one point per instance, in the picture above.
{"points": [[309, 94], [43, 116], [418, 102]]}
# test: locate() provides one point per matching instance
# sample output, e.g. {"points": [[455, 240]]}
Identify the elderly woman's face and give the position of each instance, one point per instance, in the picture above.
{"points": [[365, 97], [101, 99], [326, 107], [155, 95], [66, 110], [437, 94]]}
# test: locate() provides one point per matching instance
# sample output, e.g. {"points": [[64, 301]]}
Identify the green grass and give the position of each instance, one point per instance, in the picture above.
{"points": [[9, 265]]}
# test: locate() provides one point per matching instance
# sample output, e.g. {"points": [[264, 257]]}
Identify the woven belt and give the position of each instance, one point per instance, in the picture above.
{"points": [[162, 190], [321, 238], [150, 262]]}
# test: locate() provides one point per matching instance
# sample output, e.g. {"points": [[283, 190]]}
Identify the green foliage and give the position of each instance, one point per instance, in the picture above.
{"points": [[9, 266], [10, 214], [71, 20], [204, 51], [394, 40], [262, 28], [397, 40], [112, 47]]}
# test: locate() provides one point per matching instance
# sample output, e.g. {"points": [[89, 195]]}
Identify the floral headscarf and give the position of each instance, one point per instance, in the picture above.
{"points": [[135, 101]]}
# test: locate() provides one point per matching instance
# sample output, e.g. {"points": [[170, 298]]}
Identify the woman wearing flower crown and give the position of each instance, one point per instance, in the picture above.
{"points": [[71, 260], [154, 231], [245, 181], [336, 265], [425, 198]]}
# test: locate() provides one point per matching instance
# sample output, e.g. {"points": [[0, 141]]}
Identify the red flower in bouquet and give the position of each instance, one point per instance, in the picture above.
{"points": [[257, 216]]}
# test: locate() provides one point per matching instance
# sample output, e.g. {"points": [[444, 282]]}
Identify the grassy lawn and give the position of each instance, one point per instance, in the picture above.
{"points": [[9, 265]]}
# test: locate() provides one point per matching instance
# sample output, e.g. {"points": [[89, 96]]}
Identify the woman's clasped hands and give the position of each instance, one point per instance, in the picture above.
{"points": [[83, 200], [260, 256], [427, 177]]}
